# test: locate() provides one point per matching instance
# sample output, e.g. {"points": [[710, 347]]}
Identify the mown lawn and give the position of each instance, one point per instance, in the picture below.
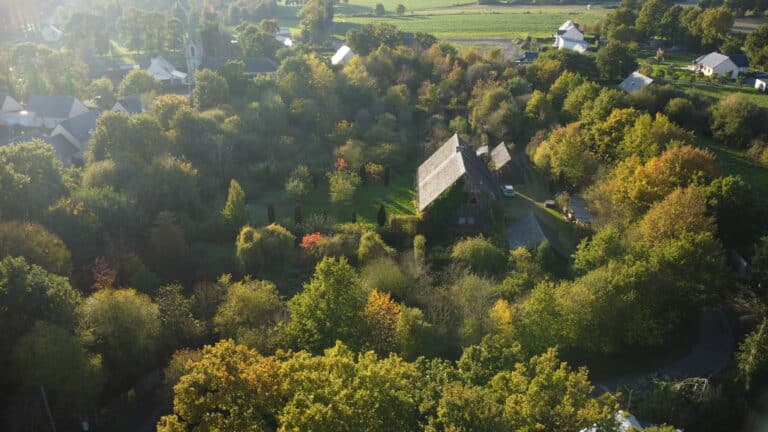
{"points": [[479, 21], [736, 162], [717, 92], [398, 198]]}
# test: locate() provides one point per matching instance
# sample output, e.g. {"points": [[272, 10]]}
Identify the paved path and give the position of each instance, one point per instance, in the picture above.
{"points": [[709, 356]]}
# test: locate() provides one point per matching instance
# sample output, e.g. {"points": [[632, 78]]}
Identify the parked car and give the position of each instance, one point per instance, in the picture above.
{"points": [[508, 191]]}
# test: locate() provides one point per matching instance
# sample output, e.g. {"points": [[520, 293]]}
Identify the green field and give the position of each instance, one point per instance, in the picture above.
{"points": [[716, 92], [475, 21], [398, 198], [736, 162]]}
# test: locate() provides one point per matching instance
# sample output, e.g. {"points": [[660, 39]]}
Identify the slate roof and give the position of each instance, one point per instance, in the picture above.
{"points": [[568, 25], [13, 105], [82, 126], [253, 65], [51, 106], [449, 163], [64, 149], [500, 156], [24, 138], [634, 82], [740, 60], [132, 104], [711, 60]]}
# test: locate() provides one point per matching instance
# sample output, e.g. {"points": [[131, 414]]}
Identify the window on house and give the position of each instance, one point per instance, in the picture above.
{"points": [[462, 221]]}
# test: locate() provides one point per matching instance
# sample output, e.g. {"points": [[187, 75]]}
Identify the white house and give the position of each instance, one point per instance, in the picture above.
{"points": [[343, 56], [51, 33], [634, 82], [51, 110], [163, 71], [569, 36], [716, 64]]}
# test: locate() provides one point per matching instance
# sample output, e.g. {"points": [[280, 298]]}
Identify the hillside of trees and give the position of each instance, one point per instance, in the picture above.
{"points": [[164, 269]]}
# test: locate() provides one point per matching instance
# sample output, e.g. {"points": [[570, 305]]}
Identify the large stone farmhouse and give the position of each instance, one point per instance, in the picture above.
{"points": [[455, 160]]}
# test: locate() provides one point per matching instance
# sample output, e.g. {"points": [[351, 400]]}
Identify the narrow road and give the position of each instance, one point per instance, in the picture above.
{"points": [[709, 356]]}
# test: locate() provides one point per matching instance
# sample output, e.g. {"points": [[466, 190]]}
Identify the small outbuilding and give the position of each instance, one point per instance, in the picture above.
{"points": [[343, 56], [635, 82]]}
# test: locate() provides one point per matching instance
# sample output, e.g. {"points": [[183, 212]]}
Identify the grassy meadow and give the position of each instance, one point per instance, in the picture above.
{"points": [[471, 21], [398, 198]]}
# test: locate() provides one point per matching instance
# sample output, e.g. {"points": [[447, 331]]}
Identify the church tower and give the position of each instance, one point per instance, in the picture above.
{"points": [[193, 54]]}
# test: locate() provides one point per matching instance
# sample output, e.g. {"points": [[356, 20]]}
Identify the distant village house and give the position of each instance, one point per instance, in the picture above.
{"points": [[716, 64], [51, 110], [569, 36]]}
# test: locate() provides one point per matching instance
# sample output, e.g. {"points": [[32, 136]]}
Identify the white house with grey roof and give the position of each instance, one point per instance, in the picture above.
{"points": [[455, 160], [569, 36], [716, 64], [52, 110], [635, 82]]}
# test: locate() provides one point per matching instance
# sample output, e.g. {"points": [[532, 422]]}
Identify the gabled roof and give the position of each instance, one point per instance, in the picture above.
{"points": [[64, 149], [568, 25], [51, 106], [81, 127], [711, 60], [9, 104], [132, 104], [449, 163], [740, 60], [253, 65], [163, 70], [500, 156], [343, 55], [634, 82]]}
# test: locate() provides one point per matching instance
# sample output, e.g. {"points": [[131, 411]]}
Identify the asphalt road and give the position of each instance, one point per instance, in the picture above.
{"points": [[710, 355]]}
